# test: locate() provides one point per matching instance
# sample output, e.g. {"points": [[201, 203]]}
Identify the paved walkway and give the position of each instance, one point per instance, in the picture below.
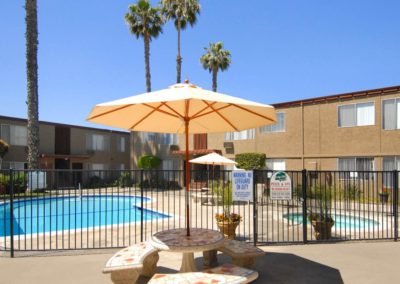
{"points": [[363, 262]]}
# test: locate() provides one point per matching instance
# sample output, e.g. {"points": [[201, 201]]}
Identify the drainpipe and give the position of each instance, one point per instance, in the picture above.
{"points": [[302, 135]]}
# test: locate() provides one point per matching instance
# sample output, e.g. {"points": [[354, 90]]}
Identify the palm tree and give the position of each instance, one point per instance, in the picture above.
{"points": [[216, 58], [145, 21], [183, 12], [31, 37]]}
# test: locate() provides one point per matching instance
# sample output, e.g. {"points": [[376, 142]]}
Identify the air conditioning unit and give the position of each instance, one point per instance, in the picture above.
{"points": [[228, 145]]}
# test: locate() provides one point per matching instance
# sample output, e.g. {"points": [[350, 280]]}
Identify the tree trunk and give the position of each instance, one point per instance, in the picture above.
{"points": [[214, 79], [178, 57], [147, 61], [32, 83]]}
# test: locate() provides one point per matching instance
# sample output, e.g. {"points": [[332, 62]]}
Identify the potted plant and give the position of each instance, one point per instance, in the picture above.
{"points": [[320, 217], [227, 221], [384, 195]]}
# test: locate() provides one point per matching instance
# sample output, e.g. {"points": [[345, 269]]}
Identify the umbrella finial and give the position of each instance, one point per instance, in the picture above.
{"points": [[186, 81]]}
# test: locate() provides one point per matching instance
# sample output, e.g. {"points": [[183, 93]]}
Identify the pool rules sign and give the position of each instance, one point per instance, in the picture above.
{"points": [[281, 186], [242, 185]]}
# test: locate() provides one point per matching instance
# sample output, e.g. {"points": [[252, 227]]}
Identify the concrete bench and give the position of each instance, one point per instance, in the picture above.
{"points": [[227, 273], [129, 263], [243, 254]]}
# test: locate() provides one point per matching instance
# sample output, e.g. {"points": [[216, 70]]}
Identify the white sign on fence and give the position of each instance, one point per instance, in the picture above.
{"points": [[242, 185], [36, 180], [281, 186]]}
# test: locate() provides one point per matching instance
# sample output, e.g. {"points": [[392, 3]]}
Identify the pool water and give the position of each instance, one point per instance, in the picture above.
{"points": [[342, 222], [41, 215]]}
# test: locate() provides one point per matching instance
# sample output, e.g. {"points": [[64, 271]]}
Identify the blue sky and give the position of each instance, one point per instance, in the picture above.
{"points": [[281, 51]]}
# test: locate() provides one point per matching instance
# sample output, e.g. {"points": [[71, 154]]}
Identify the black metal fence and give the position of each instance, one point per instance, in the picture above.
{"points": [[79, 209]]}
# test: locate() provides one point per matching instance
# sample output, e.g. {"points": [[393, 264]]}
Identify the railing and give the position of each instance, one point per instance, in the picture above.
{"points": [[78, 209]]}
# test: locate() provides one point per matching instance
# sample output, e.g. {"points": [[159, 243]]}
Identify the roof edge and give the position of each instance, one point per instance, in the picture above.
{"points": [[336, 97]]}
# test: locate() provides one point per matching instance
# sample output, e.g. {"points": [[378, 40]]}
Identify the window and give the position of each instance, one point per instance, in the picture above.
{"points": [[97, 142], [391, 114], [121, 144], [168, 139], [98, 170], [276, 164], [389, 164], [360, 114], [121, 167], [13, 165], [355, 167], [242, 135], [160, 138], [14, 134], [279, 126], [148, 136]]}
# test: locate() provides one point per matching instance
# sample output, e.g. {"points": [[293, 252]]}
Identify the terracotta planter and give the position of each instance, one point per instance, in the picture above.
{"points": [[322, 229], [228, 229]]}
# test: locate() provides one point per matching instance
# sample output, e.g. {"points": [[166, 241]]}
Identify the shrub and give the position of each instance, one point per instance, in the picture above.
{"points": [[250, 161], [95, 181], [124, 180], [224, 192], [322, 201], [160, 184], [20, 182], [148, 162]]}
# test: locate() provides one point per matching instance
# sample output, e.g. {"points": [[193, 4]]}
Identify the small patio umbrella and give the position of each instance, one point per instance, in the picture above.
{"points": [[183, 108], [213, 159]]}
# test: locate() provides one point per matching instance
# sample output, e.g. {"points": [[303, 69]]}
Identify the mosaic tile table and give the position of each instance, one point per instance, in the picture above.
{"points": [[176, 241]]}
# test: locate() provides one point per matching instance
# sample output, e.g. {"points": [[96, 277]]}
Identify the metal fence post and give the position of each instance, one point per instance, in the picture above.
{"points": [[395, 202], [304, 203], [11, 212], [255, 221], [141, 204]]}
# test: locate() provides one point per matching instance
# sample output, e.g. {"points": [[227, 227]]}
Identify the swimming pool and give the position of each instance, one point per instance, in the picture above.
{"points": [[342, 222], [51, 214]]}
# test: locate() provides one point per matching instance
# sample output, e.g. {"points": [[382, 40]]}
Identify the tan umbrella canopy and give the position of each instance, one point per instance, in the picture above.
{"points": [[183, 108], [213, 159]]}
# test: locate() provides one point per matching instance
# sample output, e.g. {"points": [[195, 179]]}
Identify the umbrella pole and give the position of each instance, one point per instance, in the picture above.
{"points": [[187, 176]]}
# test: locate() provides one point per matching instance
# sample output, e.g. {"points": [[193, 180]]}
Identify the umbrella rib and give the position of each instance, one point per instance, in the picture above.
{"points": [[177, 113], [110, 111], [223, 117], [162, 111], [197, 113], [203, 114], [253, 112], [146, 116]]}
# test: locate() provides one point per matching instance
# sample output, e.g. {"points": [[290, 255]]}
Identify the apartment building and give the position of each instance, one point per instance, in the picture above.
{"points": [[65, 146], [351, 131]]}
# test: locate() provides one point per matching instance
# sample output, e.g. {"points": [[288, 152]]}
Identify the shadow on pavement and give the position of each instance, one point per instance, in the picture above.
{"points": [[289, 268]]}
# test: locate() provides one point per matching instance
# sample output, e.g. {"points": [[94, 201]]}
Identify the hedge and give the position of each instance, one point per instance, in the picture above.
{"points": [[250, 161]]}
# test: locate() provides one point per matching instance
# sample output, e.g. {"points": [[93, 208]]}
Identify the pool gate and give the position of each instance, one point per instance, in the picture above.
{"points": [[53, 210]]}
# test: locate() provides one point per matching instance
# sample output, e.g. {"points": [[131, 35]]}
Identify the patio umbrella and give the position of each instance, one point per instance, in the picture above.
{"points": [[213, 159], [183, 108]]}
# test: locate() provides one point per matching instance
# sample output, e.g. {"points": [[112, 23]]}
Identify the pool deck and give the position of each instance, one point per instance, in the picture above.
{"points": [[351, 262]]}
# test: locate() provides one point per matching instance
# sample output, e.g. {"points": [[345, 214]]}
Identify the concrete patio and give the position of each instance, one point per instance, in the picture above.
{"points": [[355, 262]]}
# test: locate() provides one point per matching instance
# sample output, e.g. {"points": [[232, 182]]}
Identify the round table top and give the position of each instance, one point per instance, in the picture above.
{"points": [[176, 240]]}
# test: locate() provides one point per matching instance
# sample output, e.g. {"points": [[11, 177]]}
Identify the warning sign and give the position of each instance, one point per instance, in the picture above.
{"points": [[242, 185]]}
